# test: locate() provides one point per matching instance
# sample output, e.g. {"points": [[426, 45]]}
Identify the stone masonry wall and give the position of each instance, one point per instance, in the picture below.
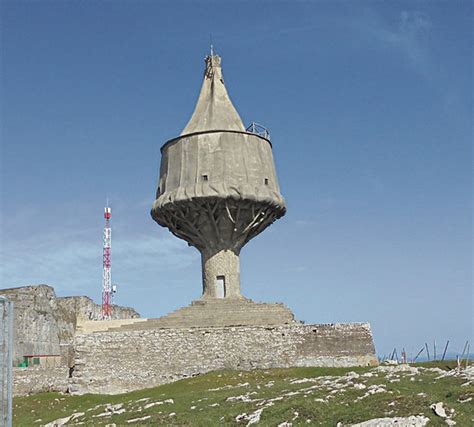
{"points": [[37, 379], [45, 325], [140, 359]]}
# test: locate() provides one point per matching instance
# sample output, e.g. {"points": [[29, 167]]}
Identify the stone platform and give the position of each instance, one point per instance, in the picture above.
{"points": [[219, 312], [138, 356], [204, 313], [235, 333]]}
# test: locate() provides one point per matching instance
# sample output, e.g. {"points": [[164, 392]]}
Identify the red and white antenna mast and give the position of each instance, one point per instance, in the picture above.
{"points": [[107, 267]]}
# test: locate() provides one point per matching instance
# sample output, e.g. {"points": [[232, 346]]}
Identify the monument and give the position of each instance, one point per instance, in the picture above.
{"points": [[218, 187], [217, 190]]}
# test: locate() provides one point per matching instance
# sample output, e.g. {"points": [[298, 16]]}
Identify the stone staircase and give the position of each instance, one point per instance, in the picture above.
{"points": [[217, 312], [89, 326]]}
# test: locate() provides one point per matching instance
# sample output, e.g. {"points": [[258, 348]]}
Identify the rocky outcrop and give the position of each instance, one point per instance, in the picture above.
{"points": [[75, 310], [36, 328], [45, 324]]}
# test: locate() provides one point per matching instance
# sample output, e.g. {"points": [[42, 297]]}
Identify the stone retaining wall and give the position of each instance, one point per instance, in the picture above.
{"points": [[35, 380], [118, 362]]}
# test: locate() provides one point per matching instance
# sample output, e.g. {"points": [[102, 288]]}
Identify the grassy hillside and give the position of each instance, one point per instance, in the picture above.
{"points": [[300, 396]]}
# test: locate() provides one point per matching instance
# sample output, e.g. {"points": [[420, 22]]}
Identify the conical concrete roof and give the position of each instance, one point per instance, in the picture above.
{"points": [[214, 109]]}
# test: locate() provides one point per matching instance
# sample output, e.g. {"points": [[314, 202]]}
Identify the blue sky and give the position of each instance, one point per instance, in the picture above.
{"points": [[369, 105]]}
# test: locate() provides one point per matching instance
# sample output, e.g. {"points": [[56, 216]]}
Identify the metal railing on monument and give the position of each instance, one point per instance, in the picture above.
{"points": [[258, 130]]}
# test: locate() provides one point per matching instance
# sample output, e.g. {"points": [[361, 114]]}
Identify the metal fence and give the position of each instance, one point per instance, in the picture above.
{"points": [[259, 130], [6, 361]]}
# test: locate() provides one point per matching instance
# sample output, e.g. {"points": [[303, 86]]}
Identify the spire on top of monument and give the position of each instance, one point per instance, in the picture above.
{"points": [[214, 109]]}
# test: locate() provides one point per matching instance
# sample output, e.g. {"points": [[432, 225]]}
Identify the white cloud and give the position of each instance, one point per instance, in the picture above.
{"points": [[408, 37]]}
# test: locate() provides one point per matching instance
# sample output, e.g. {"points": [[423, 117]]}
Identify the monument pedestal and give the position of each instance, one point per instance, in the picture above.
{"points": [[148, 353], [220, 312]]}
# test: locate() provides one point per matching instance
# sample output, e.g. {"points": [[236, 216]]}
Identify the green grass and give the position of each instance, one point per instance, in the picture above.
{"points": [[402, 398]]}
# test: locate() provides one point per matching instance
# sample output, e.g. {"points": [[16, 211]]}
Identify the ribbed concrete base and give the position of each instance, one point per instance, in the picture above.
{"points": [[215, 312]]}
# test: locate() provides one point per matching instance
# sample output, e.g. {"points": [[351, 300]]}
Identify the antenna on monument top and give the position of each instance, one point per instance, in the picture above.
{"points": [[210, 42]]}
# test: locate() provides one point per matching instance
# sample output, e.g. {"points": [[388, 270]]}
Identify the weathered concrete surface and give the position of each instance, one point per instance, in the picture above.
{"points": [[225, 263], [218, 185], [214, 109], [146, 358]]}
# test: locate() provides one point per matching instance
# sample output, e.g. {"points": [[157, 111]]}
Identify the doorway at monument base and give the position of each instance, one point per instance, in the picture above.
{"points": [[119, 361]]}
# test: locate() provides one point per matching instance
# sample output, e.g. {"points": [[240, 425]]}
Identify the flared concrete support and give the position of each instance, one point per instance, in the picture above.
{"points": [[221, 274]]}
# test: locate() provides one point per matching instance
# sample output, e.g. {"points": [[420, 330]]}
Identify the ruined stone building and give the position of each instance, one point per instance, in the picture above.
{"points": [[44, 330]]}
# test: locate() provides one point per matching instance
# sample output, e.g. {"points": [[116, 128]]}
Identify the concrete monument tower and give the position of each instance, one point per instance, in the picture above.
{"points": [[218, 187], [217, 190]]}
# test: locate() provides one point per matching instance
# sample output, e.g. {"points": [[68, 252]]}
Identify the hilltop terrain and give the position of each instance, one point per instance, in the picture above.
{"points": [[412, 395]]}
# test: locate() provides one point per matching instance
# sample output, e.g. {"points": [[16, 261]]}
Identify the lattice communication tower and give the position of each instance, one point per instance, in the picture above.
{"points": [[107, 267]]}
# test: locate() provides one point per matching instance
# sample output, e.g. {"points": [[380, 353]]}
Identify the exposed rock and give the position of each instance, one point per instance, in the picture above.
{"points": [[110, 410], [45, 324], [229, 386], [64, 421], [439, 410], [241, 398], [413, 421], [469, 372], [151, 404], [359, 386], [36, 329], [136, 420], [252, 418], [398, 368]]}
